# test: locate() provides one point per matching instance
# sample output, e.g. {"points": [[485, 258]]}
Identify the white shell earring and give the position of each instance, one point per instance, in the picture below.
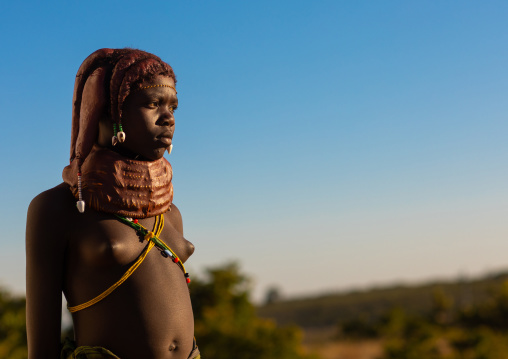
{"points": [[114, 139], [121, 135], [118, 134]]}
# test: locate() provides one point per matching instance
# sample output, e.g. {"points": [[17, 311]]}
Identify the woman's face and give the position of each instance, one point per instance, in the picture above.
{"points": [[148, 119]]}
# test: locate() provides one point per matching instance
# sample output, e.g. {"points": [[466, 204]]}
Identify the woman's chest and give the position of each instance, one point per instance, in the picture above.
{"points": [[110, 243]]}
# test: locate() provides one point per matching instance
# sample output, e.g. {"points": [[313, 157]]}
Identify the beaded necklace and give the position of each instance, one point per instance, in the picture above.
{"points": [[152, 237]]}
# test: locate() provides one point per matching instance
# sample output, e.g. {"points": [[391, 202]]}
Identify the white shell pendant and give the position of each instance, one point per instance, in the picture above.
{"points": [[81, 206], [170, 148], [121, 136], [114, 140]]}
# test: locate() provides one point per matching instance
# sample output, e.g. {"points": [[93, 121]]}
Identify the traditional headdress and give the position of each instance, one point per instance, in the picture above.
{"points": [[99, 177]]}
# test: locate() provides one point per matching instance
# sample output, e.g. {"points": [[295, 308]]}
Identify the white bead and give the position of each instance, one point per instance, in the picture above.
{"points": [[121, 136], [81, 206]]}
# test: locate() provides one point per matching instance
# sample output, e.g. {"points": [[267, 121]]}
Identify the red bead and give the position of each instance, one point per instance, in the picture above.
{"points": [[135, 221], [188, 280], [175, 260]]}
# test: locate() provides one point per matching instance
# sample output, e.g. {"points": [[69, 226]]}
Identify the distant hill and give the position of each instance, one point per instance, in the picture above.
{"points": [[328, 310]]}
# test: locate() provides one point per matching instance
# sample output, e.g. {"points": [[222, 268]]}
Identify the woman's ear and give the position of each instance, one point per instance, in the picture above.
{"points": [[105, 132]]}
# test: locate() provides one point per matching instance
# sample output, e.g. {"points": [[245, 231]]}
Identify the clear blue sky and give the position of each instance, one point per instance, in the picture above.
{"points": [[322, 144]]}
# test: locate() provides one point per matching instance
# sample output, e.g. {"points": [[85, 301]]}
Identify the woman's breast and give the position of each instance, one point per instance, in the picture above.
{"points": [[105, 245], [110, 243]]}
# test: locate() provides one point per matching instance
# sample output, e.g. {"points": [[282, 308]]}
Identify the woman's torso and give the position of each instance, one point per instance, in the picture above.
{"points": [[150, 314]]}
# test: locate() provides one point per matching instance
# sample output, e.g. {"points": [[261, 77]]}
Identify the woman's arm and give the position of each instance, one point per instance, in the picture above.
{"points": [[45, 252]]}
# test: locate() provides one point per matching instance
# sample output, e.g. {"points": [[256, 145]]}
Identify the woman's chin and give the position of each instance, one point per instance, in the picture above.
{"points": [[156, 154]]}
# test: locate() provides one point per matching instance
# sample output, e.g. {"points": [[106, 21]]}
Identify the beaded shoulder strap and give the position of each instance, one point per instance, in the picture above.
{"points": [[157, 229], [164, 249]]}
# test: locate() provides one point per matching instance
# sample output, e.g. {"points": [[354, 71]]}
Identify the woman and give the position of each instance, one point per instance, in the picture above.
{"points": [[110, 237]]}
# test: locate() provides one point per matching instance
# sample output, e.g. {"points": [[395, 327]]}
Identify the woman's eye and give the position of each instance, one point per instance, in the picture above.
{"points": [[153, 104]]}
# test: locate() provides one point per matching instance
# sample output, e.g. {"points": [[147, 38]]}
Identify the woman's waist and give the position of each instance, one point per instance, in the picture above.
{"points": [[154, 332], [130, 349]]}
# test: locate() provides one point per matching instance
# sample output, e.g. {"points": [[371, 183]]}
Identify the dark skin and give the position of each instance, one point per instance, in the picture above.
{"points": [[82, 254]]}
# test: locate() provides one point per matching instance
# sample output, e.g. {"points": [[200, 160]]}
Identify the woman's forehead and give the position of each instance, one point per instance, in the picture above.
{"points": [[158, 86], [159, 80]]}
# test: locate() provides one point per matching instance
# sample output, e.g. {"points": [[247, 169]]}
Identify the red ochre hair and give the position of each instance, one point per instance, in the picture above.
{"points": [[103, 82]]}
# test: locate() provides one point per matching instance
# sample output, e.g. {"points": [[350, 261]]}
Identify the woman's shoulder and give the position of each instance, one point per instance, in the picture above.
{"points": [[54, 201], [48, 219]]}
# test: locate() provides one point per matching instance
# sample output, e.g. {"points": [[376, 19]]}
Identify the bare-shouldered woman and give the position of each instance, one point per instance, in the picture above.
{"points": [[109, 237]]}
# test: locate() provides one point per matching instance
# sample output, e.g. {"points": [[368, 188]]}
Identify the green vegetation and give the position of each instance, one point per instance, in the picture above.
{"points": [[12, 327], [371, 304], [227, 326], [450, 331], [457, 320]]}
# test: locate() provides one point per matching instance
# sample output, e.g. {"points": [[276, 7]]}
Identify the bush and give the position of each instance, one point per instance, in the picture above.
{"points": [[226, 324]]}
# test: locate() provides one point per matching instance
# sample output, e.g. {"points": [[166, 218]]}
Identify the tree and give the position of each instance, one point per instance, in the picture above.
{"points": [[226, 324], [272, 295]]}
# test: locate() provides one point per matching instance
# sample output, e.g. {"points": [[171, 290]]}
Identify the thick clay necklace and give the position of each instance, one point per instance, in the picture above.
{"points": [[109, 182]]}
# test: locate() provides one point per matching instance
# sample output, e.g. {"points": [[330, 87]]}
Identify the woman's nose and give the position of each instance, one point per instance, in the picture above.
{"points": [[167, 117]]}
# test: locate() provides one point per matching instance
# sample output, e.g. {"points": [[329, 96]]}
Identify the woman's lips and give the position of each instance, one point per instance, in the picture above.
{"points": [[166, 140]]}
